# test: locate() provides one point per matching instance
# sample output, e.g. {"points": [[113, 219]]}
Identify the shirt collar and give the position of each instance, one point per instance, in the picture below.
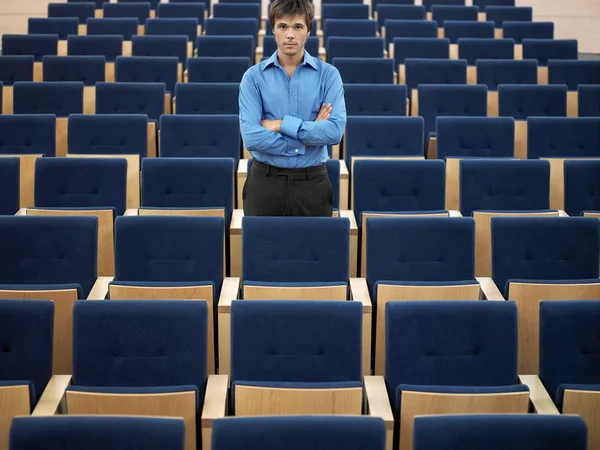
{"points": [[308, 61]]}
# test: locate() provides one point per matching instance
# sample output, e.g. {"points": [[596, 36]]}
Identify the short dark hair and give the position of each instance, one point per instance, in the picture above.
{"points": [[285, 8]]}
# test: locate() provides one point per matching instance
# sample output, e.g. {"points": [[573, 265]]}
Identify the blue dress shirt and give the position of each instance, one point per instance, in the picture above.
{"points": [[268, 93]]}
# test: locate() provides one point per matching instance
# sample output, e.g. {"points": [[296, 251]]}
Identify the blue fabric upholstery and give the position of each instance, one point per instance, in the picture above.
{"points": [[299, 433], [232, 27], [194, 9], [237, 10], [49, 250], [344, 11], [153, 3], [38, 45], [226, 46], [484, 4], [543, 50], [28, 134], [61, 26], [96, 433], [429, 3], [420, 71], [365, 70], [295, 249], [207, 98], [419, 47], [574, 137], [573, 73], [269, 46], [501, 431], [131, 98], [589, 100], [160, 46], [208, 69], [500, 14], [114, 134], [494, 72], [523, 101], [170, 249], [60, 98], [474, 49], [436, 100], [528, 30], [441, 13], [375, 100], [544, 248], [16, 68], [398, 28], [26, 342], [141, 11], [456, 29], [123, 26], [97, 3], [80, 10], [399, 10], [104, 45], [349, 28], [504, 185], [148, 69], [10, 185], [459, 137], [354, 47], [74, 182], [296, 341], [200, 136], [188, 183], [173, 26], [569, 348], [393, 186], [383, 136], [582, 186], [87, 69]]}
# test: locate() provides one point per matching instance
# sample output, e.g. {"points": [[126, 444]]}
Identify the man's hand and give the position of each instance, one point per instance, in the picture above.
{"points": [[324, 113], [272, 125]]}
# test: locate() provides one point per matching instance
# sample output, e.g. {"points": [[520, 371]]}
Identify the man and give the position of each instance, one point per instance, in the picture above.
{"points": [[291, 107]]}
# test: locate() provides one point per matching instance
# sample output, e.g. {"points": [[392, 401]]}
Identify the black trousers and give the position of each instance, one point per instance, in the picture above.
{"points": [[272, 191]]}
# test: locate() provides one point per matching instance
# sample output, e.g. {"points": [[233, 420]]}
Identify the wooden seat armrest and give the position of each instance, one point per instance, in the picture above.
{"points": [[236, 221], [51, 398], [21, 212], [229, 292], [542, 403], [131, 212], [454, 213], [562, 213], [215, 399], [489, 289], [359, 291], [100, 289], [378, 403], [348, 214]]}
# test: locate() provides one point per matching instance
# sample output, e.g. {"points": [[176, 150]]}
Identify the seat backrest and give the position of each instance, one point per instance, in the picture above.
{"points": [[16, 68], [141, 11], [456, 29], [429, 3], [349, 28], [544, 248], [295, 249], [495, 432], [574, 137], [168, 349], [523, 101], [582, 186], [290, 333], [544, 50], [375, 100], [131, 98], [195, 10], [387, 9], [441, 13], [365, 70], [573, 73], [160, 46], [114, 134], [437, 100], [504, 185], [344, 11], [61, 26], [474, 49], [207, 135], [80, 10], [97, 3], [398, 186], [527, 30], [495, 72], [460, 137], [226, 46], [87, 69], [405, 28], [59, 98], [237, 10], [301, 432], [153, 3], [173, 26], [49, 250], [109, 46], [148, 69], [354, 47], [419, 47], [36, 45], [568, 344], [123, 26], [221, 26], [207, 98], [169, 249], [96, 432], [383, 136], [28, 134], [26, 333], [9, 185], [421, 71], [500, 14], [484, 4], [589, 101], [450, 343], [225, 69], [270, 45], [81, 183]]}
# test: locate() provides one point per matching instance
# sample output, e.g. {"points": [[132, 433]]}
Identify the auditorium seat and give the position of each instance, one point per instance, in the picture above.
{"points": [[38, 46], [395, 10], [544, 50], [140, 11], [355, 47], [473, 50], [61, 26], [505, 13], [403, 48], [13, 69], [443, 13], [175, 10], [10, 179], [206, 98], [82, 11], [189, 27], [526, 30], [582, 183], [401, 28], [226, 46], [97, 4], [349, 28], [574, 74], [232, 27], [589, 100], [235, 10], [225, 69], [109, 47], [163, 46], [122, 26], [366, 70]]}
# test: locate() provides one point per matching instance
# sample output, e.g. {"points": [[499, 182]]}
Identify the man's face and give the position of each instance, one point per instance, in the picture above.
{"points": [[291, 34]]}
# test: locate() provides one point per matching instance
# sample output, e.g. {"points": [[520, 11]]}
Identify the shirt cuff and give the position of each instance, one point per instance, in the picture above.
{"points": [[294, 147], [290, 126]]}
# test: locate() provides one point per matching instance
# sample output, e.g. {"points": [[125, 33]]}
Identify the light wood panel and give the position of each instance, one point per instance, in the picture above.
{"points": [[15, 402], [587, 405], [7, 100], [27, 177]]}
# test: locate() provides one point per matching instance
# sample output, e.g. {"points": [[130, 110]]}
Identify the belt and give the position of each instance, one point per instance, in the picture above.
{"points": [[273, 170]]}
